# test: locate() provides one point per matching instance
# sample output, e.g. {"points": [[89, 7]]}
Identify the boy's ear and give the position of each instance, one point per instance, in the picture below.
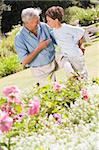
{"points": [[56, 20]]}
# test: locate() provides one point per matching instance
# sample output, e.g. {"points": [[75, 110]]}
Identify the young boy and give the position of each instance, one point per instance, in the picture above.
{"points": [[69, 39]]}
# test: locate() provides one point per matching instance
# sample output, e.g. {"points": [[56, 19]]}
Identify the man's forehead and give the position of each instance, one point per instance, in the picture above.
{"points": [[36, 18]]}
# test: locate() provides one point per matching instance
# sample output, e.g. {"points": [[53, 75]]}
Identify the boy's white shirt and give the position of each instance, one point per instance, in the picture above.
{"points": [[67, 37]]}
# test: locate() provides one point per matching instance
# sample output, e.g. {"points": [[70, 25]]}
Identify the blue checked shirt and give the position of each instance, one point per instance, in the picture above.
{"points": [[26, 42]]}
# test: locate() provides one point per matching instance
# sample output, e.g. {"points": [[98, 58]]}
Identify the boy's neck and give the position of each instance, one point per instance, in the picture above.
{"points": [[58, 25]]}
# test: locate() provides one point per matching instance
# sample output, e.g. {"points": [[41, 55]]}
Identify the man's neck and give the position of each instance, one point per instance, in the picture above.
{"points": [[33, 31]]}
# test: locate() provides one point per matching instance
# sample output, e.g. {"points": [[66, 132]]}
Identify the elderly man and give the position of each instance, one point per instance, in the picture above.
{"points": [[34, 44]]}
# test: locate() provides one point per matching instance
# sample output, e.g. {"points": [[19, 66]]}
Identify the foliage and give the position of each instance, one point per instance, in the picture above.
{"points": [[95, 80], [9, 65], [9, 62], [55, 138], [94, 2], [85, 16], [8, 42], [10, 18], [62, 117]]}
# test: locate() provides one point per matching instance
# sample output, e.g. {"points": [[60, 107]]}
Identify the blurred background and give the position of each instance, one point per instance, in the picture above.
{"points": [[86, 11]]}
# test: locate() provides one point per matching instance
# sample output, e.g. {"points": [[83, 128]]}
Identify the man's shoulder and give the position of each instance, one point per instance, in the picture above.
{"points": [[19, 33]]}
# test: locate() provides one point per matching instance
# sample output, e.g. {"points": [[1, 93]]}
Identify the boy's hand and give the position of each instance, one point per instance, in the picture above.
{"points": [[80, 45], [83, 49]]}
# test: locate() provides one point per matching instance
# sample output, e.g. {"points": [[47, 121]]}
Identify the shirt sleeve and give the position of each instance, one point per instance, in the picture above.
{"points": [[78, 33], [20, 48], [52, 35]]}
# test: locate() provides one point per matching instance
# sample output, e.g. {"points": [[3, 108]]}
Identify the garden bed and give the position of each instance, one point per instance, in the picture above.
{"points": [[55, 117]]}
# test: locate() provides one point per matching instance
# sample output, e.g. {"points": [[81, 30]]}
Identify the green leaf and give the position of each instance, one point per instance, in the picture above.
{"points": [[3, 101], [18, 108]]}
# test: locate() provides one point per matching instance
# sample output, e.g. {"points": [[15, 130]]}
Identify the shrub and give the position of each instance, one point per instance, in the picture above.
{"points": [[85, 16], [9, 62], [9, 65], [4, 52], [8, 42]]}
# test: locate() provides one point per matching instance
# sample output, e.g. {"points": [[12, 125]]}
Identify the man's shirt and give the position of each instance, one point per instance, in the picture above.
{"points": [[26, 42]]}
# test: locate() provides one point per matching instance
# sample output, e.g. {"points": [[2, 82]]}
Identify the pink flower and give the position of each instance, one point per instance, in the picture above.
{"points": [[5, 122], [85, 94], [13, 99], [12, 93], [57, 117], [34, 106], [58, 87], [8, 109], [18, 118], [11, 89]]}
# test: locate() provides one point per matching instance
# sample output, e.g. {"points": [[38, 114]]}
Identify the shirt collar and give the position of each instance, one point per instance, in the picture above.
{"points": [[38, 32]]}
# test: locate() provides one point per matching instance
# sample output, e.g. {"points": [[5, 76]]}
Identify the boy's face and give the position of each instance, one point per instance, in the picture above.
{"points": [[51, 22]]}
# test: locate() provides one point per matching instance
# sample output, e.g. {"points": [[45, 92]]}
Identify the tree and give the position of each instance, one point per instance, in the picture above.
{"points": [[13, 17]]}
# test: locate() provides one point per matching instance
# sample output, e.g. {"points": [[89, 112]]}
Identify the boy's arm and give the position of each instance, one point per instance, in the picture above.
{"points": [[80, 45], [51, 34], [78, 34]]}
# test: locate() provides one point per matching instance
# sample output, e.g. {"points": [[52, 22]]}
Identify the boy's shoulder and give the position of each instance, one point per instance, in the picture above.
{"points": [[69, 26]]}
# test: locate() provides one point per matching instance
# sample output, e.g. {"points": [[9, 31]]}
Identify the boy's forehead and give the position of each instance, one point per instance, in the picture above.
{"points": [[48, 18]]}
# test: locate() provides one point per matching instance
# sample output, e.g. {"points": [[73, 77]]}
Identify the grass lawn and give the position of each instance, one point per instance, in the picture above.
{"points": [[24, 79], [92, 59]]}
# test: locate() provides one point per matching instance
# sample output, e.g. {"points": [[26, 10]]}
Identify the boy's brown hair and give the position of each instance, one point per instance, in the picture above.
{"points": [[55, 12]]}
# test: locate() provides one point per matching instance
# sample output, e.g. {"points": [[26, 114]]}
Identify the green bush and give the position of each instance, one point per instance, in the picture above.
{"points": [[4, 52], [9, 62], [85, 16], [9, 65], [8, 43]]}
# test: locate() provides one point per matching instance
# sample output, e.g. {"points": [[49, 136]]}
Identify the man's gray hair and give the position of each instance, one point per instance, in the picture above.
{"points": [[29, 13]]}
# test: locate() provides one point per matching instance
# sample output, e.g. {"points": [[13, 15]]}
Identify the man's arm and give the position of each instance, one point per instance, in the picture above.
{"points": [[24, 56], [34, 53]]}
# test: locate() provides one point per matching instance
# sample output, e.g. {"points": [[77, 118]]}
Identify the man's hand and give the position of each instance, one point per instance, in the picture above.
{"points": [[34, 53], [43, 44]]}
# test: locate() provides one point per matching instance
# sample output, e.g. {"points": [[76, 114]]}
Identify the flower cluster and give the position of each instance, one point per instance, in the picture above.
{"points": [[34, 106], [85, 94], [13, 110], [53, 117], [6, 122], [58, 87]]}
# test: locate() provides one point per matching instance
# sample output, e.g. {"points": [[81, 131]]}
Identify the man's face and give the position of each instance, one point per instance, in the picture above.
{"points": [[33, 24], [51, 22]]}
